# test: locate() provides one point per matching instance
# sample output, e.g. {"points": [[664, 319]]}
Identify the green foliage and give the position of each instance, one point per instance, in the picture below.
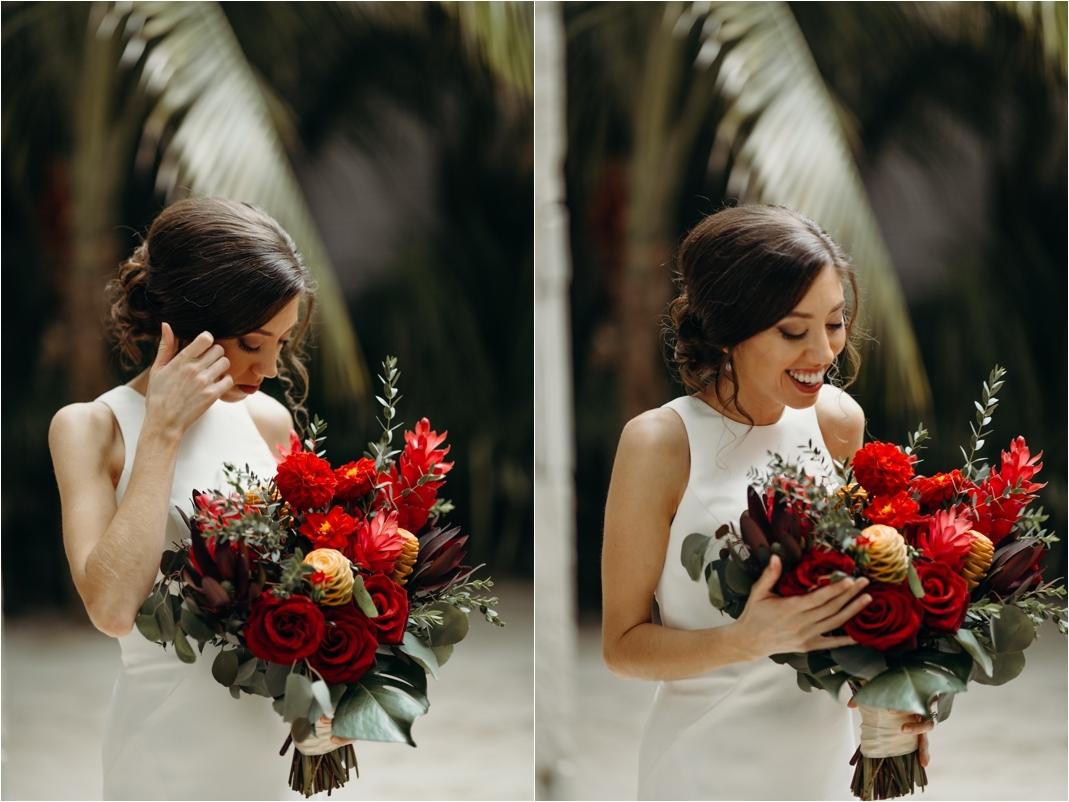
{"points": [[985, 409], [384, 703]]}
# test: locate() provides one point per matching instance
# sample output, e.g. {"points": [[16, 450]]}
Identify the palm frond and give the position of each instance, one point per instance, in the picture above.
{"points": [[501, 34], [219, 131], [785, 142]]}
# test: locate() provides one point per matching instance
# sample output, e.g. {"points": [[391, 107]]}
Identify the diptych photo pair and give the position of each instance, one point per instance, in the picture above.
{"points": [[534, 400]]}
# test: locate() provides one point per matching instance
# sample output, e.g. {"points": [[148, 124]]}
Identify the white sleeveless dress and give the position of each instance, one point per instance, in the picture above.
{"points": [[173, 732], [745, 731]]}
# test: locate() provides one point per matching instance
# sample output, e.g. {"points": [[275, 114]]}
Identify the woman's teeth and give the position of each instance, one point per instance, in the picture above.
{"points": [[815, 377]]}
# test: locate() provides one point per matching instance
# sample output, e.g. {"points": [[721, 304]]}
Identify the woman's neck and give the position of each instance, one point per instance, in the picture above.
{"points": [[759, 415]]}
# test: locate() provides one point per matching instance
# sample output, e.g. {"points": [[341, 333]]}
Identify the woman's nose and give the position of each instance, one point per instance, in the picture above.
{"points": [[823, 353], [268, 367]]}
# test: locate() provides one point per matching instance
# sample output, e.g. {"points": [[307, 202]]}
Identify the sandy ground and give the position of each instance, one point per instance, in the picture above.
{"points": [[476, 743], [1002, 743]]}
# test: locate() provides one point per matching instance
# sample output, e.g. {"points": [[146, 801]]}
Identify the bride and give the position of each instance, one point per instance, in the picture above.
{"points": [[760, 322], [219, 288]]}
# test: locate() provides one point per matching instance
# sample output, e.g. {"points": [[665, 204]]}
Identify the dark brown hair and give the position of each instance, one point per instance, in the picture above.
{"points": [[739, 272], [215, 265]]}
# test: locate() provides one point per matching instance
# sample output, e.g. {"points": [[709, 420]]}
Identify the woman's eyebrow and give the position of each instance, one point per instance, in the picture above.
{"points": [[808, 316]]}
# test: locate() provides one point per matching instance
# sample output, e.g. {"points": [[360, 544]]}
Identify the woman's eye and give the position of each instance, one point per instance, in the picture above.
{"points": [[248, 349], [835, 326], [789, 336]]}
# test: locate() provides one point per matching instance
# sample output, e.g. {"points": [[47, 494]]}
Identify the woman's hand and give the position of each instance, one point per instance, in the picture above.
{"points": [[182, 385], [776, 625], [917, 725], [321, 740]]}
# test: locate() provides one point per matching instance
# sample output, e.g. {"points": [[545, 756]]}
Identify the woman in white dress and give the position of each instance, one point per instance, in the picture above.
{"points": [[760, 321], [221, 288]]}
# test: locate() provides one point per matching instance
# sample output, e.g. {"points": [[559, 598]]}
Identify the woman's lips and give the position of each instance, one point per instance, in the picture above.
{"points": [[808, 389], [249, 389]]}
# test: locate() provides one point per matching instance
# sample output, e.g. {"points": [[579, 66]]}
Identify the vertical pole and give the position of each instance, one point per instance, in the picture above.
{"points": [[555, 632]]}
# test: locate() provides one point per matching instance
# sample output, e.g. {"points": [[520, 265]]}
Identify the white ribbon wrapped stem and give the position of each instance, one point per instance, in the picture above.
{"points": [[881, 733]]}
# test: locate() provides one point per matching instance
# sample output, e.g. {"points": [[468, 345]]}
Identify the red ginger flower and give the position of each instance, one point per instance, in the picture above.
{"points": [[305, 480], [1002, 497], [376, 544], [421, 451], [947, 538], [355, 479], [942, 487], [895, 511], [330, 531], [1017, 469], [293, 445], [882, 469]]}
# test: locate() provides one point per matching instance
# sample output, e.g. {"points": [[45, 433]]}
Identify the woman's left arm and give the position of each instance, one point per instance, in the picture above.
{"points": [[842, 422]]}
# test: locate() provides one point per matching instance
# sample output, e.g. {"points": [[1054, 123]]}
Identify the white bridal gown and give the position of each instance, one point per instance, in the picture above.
{"points": [[745, 731], [173, 732]]}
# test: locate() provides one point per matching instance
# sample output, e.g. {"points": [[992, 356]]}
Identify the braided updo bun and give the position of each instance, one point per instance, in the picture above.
{"points": [[739, 272], [209, 264]]}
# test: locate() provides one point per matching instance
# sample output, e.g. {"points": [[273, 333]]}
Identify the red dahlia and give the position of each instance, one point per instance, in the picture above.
{"points": [[942, 487], [355, 480], [882, 469], [895, 511], [330, 531], [305, 480]]}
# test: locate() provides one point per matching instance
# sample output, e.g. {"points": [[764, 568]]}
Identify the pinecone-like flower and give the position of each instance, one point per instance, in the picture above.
{"points": [[337, 579], [888, 560], [854, 495], [406, 560], [978, 560]]}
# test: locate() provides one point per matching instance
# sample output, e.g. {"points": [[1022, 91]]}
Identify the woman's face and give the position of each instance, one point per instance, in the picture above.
{"points": [[254, 356], [785, 365]]}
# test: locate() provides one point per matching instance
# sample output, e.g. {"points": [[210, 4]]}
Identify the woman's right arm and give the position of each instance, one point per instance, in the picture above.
{"points": [[114, 551], [648, 480]]}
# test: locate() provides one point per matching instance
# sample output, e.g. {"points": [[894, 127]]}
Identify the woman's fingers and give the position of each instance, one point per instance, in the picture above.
{"points": [[837, 618], [167, 346], [834, 596], [764, 584], [925, 755]]}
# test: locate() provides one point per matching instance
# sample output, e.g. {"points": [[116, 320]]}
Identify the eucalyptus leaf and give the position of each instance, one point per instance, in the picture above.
{"points": [[860, 661], [256, 684], [833, 683], [225, 667], [363, 598], [976, 650], [957, 663], [322, 696], [454, 626], [442, 654], [275, 679], [804, 683], [911, 689], [302, 729], [298, 697], [915, 586], [235, 691], [1012, 631], [421, 653], [737, 579], [1004, 667], [165, 621], [382, 706], [245, 671], [195, 627], [277, 705], [716, 592], [336, 693], [693, 554], [147, 626], [943, 703], [182, 648], [315, 712]]}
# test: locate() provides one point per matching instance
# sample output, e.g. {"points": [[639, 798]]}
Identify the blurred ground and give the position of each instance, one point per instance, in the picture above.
{"points": [[1002, 743], [476, 743]]}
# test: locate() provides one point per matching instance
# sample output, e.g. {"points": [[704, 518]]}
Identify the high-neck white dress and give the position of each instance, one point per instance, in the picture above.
{"points": [[745, 731], [173, 732]]}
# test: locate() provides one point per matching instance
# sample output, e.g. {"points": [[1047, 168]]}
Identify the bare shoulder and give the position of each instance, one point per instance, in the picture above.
{"points": [[842, 421], [86, 434], [655, 429], [272, 419], [653, 458]]}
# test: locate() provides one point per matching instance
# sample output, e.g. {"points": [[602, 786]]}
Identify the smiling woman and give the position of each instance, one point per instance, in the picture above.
{"points": [[760, 324], [220, 289]]}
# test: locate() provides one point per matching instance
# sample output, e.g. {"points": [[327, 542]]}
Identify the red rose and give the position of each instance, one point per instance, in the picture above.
{"points": [[890, 620], [376, 544], [283, 630], [895, 511], [330, 531], [946, 596], [348, 647], [814, 570], [882, 469], [391, 600], [942, 487], [355, 480], [305, 480]]}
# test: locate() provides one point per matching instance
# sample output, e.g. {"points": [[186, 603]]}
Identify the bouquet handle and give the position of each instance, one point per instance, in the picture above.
{"points": [[887, 763]]}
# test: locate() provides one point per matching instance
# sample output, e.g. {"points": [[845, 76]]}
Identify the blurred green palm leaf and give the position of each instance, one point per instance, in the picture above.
{"points": [[502, 36], [786, 142], [219, 131]]}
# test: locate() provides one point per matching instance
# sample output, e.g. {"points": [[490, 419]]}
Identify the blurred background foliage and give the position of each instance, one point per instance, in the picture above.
{"points": [[928, 138], [393, 141]]}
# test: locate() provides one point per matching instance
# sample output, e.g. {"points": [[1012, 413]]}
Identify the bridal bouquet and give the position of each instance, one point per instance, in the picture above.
{"points": [[954, 561], [332, 591]]}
